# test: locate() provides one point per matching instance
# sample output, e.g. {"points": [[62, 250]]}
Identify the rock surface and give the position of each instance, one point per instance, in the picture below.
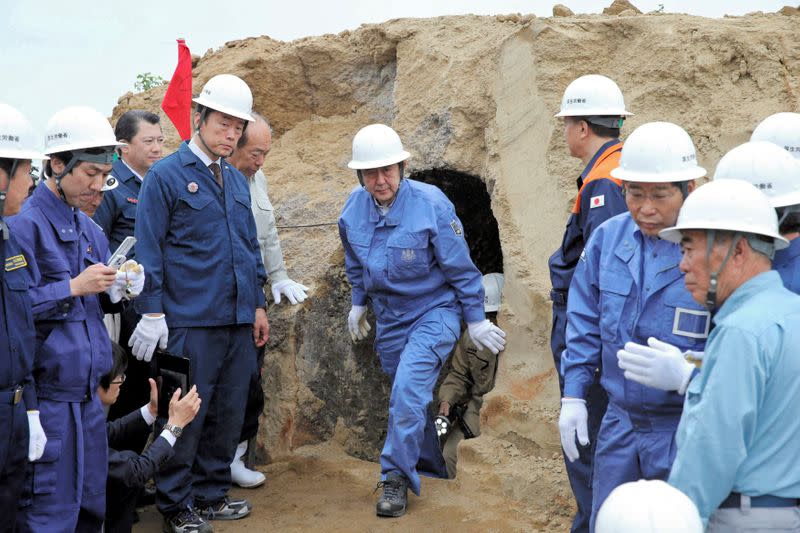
{"points": [[560, 10], [621, 7], [474, 95]]}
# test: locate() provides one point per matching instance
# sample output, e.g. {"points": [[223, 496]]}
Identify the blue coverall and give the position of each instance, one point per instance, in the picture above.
{"points": [[413, 266], [198, 245], [17, 344], [72, 352], [740, 429], [599, 198], [787, 263], [627, 287], [117, 216]]}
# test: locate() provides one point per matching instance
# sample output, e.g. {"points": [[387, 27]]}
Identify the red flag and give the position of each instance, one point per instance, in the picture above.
{"points": [[177, 103]]}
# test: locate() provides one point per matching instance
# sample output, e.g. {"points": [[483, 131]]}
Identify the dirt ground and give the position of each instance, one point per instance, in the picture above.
{"points": [[323, 489]]}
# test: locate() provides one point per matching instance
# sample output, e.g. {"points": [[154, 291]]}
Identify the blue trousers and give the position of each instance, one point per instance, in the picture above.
{"points": [[624, 453], [66, 489], [411, 447], [13, 456], [580, 471], [222, 361]]}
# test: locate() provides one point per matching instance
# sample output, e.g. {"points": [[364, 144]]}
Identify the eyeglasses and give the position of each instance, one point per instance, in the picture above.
{"points": [[657, 196], [119, 381]]}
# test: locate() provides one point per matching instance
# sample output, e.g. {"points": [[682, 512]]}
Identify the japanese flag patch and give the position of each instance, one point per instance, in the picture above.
{"points": [[597, 201]]}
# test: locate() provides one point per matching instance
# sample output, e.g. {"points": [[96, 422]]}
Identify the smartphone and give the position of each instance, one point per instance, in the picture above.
{"points": [[121, 253]]}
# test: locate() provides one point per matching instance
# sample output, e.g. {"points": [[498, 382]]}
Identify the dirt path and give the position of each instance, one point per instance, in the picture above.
{"points": [[323, 489]]}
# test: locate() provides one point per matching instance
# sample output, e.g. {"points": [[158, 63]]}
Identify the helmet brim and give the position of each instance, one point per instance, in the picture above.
{"points": [[659, 177], [673, 234], [223, 109], [378, 163], [82, 146], [22, 154], [594, 112]]}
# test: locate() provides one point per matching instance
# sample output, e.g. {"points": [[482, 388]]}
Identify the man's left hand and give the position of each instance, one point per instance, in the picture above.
{"points": [[153, 405], [260, 328], [659, 365], [294, 292]]}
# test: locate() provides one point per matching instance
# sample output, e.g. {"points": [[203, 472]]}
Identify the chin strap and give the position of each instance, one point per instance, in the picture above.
{"points": [[711, 295], [3, 194]]}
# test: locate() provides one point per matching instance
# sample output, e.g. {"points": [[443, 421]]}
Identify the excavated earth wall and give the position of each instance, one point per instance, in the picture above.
{"points": [[474, 95]]}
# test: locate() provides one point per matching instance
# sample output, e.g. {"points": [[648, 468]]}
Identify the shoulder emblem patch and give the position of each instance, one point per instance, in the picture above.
{"points": [[15, 262], [597, 201], [456, 228]]}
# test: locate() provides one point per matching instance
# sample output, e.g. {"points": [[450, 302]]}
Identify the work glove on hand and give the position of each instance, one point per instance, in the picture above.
{"points": [[484, 334], [658, 365], [128, 283], [37, 439], [571, 422], [357, 323], [150, 330], [294, 292]]}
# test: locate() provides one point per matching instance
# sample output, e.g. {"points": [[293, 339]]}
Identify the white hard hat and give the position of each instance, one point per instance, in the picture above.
{"points": [[17, 140], [593, 95], [728, 205], [227, 94], [782, 129], [768, 167], [375, 146], [648, 506], [78, 128], [658, 152], [492, 289]]}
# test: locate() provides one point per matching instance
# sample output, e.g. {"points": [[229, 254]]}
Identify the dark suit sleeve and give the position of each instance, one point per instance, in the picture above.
{"points": [[121, 430], [132, 470]]}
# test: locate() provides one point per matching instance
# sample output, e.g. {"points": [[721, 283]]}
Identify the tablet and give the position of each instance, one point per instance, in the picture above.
{"points": [[172, 371]]}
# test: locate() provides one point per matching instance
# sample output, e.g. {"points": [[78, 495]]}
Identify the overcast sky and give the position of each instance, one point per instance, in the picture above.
{"points": [[56, 53]]}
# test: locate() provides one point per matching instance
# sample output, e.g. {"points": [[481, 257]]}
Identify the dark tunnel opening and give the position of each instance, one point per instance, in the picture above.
{"points": [[473, 206]]}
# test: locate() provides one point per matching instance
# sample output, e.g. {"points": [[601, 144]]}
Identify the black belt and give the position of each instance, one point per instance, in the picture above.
{"points": [[558, 296], [12, 396], [734, 500]]}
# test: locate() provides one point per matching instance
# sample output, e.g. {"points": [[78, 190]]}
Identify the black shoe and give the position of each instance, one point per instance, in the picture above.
{"points": [[394, 500], [225, 509], [186, 521]]}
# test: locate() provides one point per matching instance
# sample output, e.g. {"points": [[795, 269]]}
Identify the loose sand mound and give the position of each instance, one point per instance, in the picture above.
{"points": [[476, 96]]}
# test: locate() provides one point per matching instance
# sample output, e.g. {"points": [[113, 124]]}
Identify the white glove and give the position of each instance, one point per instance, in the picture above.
{"points": [[37, 439], [659, 365], [150, 330], [128, 283], [357, 323], [294, 292], [484, 334], [573, 420]]}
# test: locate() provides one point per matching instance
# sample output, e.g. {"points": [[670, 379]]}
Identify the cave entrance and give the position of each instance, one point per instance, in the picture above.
{"points": [[473, 206]]}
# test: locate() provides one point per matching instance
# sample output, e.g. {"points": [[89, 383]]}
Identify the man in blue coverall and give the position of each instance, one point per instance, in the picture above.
{"points": [[593, 110], [783, 129], [65, 252], [627, 286], [405, 253], [140, 130], [737, 439], [24, 437], [203, 299]]}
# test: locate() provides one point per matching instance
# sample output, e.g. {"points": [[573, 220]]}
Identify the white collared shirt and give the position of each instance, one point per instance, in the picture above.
{"points": [[131, 169], [202, 155]]}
